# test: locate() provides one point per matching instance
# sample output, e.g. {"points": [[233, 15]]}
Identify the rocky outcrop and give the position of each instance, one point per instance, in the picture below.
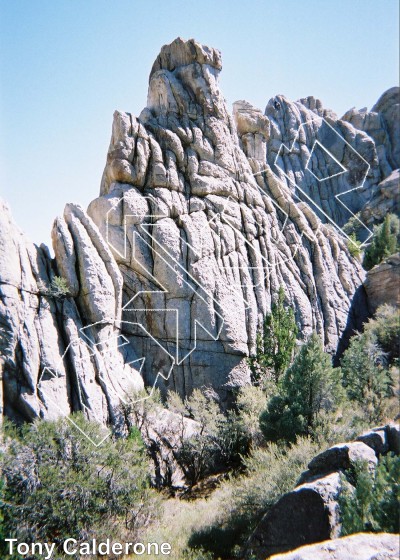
{"points": [[382, 125], [310, 513], [361, 546], [61, 354], [199, 222], [384, 200], [324, 161], [382, 283], [173, 267]]}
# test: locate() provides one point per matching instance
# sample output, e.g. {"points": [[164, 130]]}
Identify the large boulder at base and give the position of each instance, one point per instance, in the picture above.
{"points": [[393, 431], [377, 439], [342, 457], [362, 546], [308, 514]]}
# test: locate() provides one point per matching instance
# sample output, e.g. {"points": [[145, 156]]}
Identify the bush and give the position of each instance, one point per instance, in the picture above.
{"points": [[354, 246], [373, 504], [386, 327], [275, 345], [243, 500], [385, 242], [58, 288], [59, 485], [309, 391], [250, 402], [219, 441]]}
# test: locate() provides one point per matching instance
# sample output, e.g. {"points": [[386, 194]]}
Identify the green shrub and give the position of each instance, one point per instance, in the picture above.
{"points": [[373, 504], [309, 391], [243, 500], [366, 377], [354, 246], [386, 327], [275, 345], [250, 402], [219, 441], [385, 242], [59, 485], [58, 288]]}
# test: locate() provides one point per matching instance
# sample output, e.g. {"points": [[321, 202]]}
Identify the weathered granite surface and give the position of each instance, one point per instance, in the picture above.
{"points": [[173, 267], [361, 546], [382, 283]]}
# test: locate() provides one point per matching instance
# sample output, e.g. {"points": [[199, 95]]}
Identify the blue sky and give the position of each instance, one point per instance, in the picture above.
{"points": [[66, 65]]}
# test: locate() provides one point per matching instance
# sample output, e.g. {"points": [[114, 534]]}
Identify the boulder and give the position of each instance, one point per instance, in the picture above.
{"points": [[361, 546], [343, 456], [393, 435], [377, 439], [308, 514]]}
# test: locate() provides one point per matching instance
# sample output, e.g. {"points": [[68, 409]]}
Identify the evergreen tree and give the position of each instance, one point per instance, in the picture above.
{"points": [[385, 242], [310, 389], [373, 504], [275, 345], [365, 376]]}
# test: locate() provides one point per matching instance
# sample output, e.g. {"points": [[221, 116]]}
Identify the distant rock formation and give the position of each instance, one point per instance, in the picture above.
{"points": [[310, 513], [173, 267], [361, 546]]}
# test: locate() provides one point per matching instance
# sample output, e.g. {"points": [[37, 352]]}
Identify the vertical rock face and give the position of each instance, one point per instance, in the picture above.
{"points": [[61, 354], [205, 233], [199, 221]]}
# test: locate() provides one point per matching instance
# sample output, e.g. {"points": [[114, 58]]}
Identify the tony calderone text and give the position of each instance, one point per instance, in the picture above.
{"points": [[72, 547]]}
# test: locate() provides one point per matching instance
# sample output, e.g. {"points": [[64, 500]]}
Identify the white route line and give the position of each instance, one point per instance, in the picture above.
{"points": [[182, 273], [283, 146]]}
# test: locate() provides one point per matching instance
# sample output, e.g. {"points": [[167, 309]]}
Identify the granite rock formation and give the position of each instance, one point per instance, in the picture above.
{"points": [[382, 283], [199, 223], [61, 354], [173, 267]]}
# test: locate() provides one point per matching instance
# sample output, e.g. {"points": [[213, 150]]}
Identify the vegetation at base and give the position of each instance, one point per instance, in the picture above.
{"points": [[385, 242], [217, 526], [308, 393], [276, 343], [57, 484], [372, 504], [219, 441], [366, 377]]}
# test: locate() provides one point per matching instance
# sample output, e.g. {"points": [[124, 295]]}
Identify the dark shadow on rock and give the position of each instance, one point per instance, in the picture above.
{"points": [[359, 313]]}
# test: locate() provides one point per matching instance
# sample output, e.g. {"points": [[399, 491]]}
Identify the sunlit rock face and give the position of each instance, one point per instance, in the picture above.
{"points": [[202, 225], [200, 219]]}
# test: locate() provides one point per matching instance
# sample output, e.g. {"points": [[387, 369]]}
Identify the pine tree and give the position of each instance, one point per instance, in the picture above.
{"points": [[365, 376], [310, 389], [275, 345], [373, 503], [385, 242]]}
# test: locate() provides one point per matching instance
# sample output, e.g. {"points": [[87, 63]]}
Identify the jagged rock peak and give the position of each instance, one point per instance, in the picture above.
{"points": [[184, 82], [182, 52]]}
